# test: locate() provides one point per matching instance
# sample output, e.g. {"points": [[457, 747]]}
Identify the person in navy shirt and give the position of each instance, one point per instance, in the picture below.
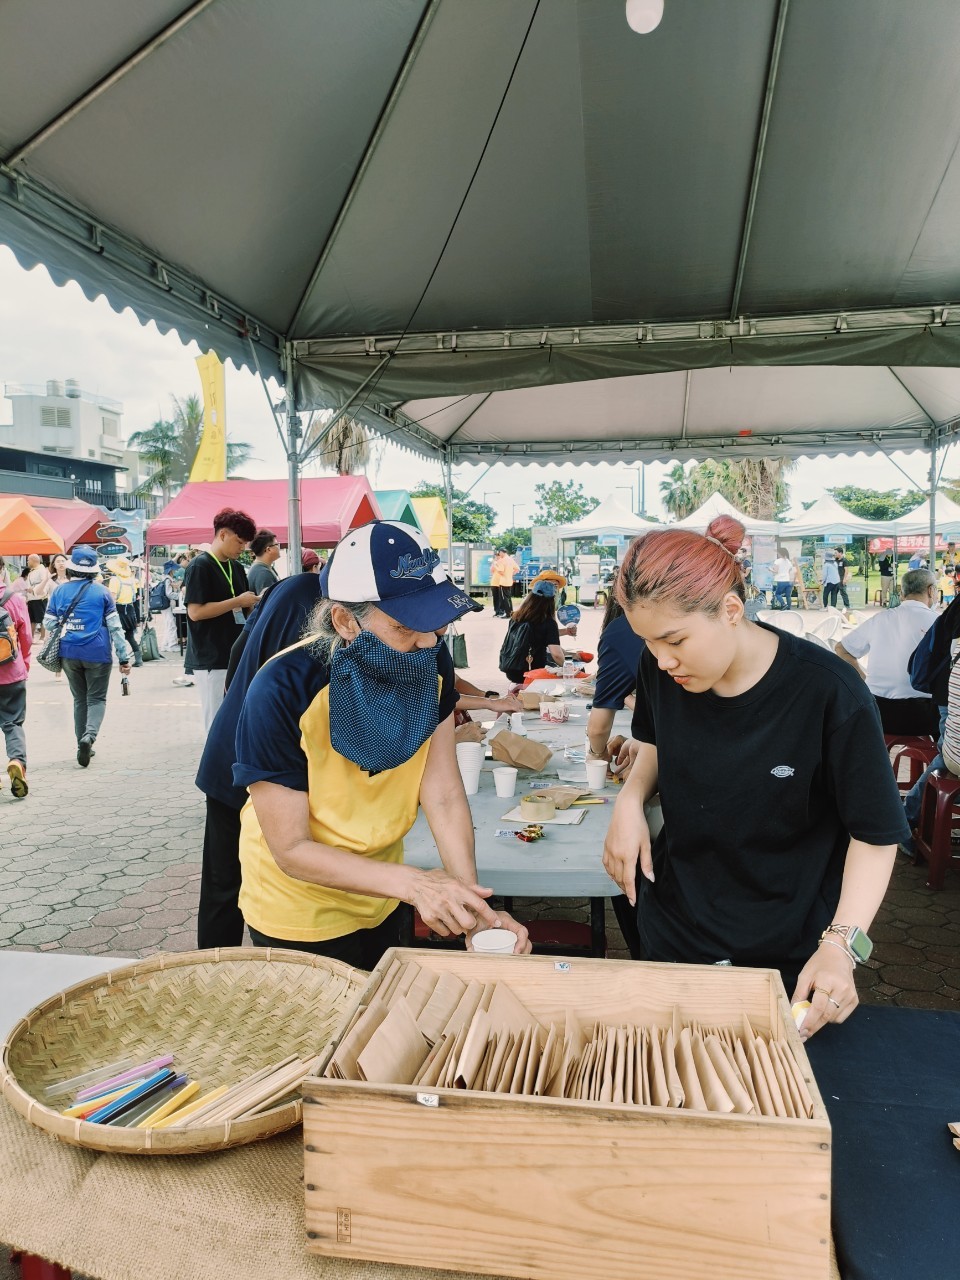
{"points": [[86, 614]]}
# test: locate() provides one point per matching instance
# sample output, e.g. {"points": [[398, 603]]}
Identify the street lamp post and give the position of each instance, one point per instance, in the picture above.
{"points": [[486, 494], [513, 514]]}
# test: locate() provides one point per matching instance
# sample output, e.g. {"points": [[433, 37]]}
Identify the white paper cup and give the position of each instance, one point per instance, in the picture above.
{"points": [[495, 942], [470, 753], [471, 779], [505, 780], [596, 774]]}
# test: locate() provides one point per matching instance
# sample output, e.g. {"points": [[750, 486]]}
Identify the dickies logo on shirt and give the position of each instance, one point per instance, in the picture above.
{"points": [[782, 771]]}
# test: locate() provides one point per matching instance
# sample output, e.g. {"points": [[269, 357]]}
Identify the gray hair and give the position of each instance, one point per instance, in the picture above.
{"points": [[916, 581], [326, 639]]}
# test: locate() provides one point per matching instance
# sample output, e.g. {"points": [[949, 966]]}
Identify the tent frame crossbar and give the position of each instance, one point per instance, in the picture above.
{"points": [[455, 342]]}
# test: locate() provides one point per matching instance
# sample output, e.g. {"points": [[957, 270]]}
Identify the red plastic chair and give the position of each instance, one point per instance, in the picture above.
{"points": [[561, 938], [939, 811], [917, 751]]}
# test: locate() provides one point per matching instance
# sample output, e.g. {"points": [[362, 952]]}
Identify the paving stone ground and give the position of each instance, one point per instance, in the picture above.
{"points": [[107, 859]]}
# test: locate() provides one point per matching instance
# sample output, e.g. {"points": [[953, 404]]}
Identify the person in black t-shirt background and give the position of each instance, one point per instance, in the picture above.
{"points": [[539, 609], [216, 596], [781, 813]]}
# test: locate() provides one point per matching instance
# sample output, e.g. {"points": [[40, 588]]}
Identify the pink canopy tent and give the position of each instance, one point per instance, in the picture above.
{"points": [[331, 506], [74, 520]]}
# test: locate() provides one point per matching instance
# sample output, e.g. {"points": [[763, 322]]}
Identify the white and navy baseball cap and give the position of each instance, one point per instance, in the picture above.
{"points": [[392, 565]]}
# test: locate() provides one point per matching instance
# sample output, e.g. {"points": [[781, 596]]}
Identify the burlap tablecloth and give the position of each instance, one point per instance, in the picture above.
{"points": [[236, 1213]]}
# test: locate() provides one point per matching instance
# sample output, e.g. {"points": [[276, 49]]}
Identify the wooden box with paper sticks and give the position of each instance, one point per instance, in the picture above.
{"points": [[561, 1119]]}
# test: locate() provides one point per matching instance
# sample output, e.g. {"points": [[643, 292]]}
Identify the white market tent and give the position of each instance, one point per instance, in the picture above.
{"points": [[717, 505], [945, 519], [826, 518], [515, 230], [610, 517]]}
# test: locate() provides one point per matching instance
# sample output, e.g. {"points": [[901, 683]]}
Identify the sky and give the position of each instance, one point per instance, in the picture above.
{"points": [[48, 332]]}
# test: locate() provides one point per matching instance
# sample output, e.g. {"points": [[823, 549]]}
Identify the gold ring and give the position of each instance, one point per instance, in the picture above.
{"points": [[826, 993]]}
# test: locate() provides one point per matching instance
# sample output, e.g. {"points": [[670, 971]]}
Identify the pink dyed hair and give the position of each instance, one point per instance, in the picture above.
{"points": [[685, 569]]}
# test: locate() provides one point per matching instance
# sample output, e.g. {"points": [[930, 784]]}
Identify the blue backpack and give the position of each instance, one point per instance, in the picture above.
{"points": [[930, 660], [158, 597]]}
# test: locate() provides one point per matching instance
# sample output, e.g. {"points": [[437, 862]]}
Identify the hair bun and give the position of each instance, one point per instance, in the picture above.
{"points": [[728, 532]]}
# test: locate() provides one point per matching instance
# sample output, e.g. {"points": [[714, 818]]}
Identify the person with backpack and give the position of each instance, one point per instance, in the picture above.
{"points": [[16, 637], [533, 634], [163, 593], [86, 616], [123, 587], [929, 669]]}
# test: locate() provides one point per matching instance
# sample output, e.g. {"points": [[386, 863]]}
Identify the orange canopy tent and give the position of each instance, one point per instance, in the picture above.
{"points": [[24, 531]]}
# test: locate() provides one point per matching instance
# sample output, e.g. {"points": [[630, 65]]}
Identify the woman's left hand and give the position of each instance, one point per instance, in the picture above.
{"points": [[826, 980], [523, 945]]}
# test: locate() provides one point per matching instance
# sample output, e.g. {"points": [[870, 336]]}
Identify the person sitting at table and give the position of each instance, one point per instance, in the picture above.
{"points": [[340, 740], [890, 638], [539, 612], [781, 814]]}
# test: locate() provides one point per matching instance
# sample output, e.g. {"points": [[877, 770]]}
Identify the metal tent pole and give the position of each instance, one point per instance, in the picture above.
{"points": [[294, 432], [933, 499]]}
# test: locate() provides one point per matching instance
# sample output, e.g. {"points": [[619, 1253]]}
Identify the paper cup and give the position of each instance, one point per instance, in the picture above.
{"points": [[516, 722], [495, 942], [505, 780], [471, 779], [596, 774], [470, 753]]}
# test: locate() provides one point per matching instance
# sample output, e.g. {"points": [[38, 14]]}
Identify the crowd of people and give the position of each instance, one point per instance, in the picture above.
{"points": [[330, 704]]}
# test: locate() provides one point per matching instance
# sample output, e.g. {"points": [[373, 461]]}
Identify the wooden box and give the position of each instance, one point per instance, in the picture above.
{"points": [[557, 1189]]}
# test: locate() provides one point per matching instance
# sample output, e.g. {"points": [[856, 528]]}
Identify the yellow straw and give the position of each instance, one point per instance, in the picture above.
{"points": [[191, 1107], [183, 1095]]}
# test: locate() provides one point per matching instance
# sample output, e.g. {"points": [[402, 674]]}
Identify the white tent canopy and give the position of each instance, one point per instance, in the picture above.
{"points": [[917, 522], [610, 517], [826, 517], [717, 505]]}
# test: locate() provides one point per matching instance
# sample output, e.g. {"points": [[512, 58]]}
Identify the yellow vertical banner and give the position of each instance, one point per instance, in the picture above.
{"points": [[211, 460]]}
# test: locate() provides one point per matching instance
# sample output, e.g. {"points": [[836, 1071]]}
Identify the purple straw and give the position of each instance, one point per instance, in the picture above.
{"points": [[144, 1069]]}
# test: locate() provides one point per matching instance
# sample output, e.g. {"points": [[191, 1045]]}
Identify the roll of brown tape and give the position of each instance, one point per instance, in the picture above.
{"points": [[537, 808]]}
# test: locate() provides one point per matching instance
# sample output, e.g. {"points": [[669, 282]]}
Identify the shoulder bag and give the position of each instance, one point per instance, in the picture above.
{"points": [[49, 655]]}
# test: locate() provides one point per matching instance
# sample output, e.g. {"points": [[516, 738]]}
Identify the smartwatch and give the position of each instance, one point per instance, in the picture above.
{"points": [[855, 941]]}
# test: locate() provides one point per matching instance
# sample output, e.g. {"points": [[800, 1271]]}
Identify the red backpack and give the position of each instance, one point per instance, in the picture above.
{"points": [[9, 643]]}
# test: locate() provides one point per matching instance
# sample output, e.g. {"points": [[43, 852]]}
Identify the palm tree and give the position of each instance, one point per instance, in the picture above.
{"points": [[171, 447], [678, 495], [346, 449]]}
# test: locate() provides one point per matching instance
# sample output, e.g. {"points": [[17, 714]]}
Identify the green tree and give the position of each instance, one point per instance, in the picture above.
{"points": [[677, 492], [472, 521], [562, 503], [874, 504], [170, 448], [511, 540]]}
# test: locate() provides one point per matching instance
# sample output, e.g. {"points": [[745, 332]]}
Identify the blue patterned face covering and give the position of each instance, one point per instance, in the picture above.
{"points": [[384, 704]]}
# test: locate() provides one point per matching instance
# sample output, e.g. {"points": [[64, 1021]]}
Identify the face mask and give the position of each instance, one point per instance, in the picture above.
{"points": [[384, 704]]}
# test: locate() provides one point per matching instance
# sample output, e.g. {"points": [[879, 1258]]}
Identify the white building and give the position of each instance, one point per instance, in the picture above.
{"points": [[63, 419]]}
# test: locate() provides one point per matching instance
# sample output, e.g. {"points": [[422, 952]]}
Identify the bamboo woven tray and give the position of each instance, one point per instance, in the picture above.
{"points": [[224, 1014]]}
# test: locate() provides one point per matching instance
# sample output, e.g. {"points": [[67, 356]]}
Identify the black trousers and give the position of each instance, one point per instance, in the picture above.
{"points": [[918, 717], [501, 601], [362, 949], [219, 922]]}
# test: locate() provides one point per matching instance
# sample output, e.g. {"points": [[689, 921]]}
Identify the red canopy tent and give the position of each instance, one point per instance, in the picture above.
{"points": [[74, 520], [331, 506]]}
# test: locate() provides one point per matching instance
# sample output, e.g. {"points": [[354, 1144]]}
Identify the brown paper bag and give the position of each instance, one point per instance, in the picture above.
{"points": [[795, 1085], [531, 701], [450, 1067], [629, 1065], [600, 1053], [343, 1064], [537, 1040], [570, 1056], [759, 1078], [726, 1069], [780, 1105], [715, 1095], [474, 1047], [435, 1062], [439, 1009], [746, 1075], [608, 1068], [675, 1092], [520, 1067], [549, 1061], [411, 971], [509, 1064], [785, 1091], [420, 992], [620, 1065], [395, 1051], [524, 753], [503, 1043], [687, 1071], [508, 1011], [390, 979], [563, 797], [659, 1093], [641, 1089], [467, 1006], [586, 1085]]}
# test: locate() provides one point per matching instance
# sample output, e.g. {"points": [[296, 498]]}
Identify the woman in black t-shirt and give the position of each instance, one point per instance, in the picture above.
{"points": [[539, 611], [781, 814]]}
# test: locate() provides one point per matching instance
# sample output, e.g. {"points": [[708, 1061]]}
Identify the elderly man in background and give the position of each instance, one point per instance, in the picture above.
{"points": [[38, 591], [890, 638]]}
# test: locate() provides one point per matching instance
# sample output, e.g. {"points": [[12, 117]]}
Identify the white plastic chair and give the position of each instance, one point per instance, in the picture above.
{"points": [[826, 628], [785, 620], [816, 639]]}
